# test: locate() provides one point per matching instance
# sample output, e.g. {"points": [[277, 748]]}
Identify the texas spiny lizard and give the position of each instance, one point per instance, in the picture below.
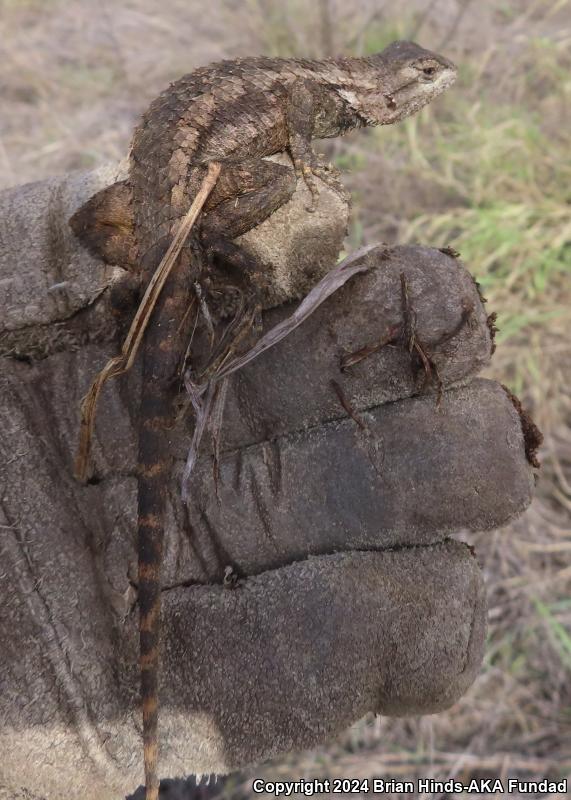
{"points": [[234, 113]]}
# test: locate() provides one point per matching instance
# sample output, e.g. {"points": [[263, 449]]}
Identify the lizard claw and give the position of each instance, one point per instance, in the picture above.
{"points": [[306, 171], [326, 173], [329, 174]]}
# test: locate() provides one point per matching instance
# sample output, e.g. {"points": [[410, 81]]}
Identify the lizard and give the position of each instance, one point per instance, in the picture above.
{"points": [[233, 114]]}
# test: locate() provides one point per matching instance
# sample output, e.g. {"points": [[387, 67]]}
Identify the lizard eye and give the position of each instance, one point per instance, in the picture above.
{"points": [[429, 71]]}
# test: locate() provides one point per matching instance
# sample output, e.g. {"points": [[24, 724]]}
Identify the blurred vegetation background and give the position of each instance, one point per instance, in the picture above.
{"points": [[487, 170]]}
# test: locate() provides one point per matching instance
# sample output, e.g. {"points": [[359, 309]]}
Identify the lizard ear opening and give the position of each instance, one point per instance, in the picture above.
{"points": [[104, 225]]}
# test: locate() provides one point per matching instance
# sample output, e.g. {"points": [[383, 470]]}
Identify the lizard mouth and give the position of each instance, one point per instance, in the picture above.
{"points": [[407, 99]]}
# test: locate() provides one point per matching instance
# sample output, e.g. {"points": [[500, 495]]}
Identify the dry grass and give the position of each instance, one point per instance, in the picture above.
{"points": [[486, 170]]}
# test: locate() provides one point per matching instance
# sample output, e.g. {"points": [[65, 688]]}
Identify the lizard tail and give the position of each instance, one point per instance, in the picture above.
{"points": [[153, 465], [154, 468], [163, 355], [165, 343]]}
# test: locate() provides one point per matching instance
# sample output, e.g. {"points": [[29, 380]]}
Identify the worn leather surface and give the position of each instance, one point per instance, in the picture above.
{"points": [[350, 599]]}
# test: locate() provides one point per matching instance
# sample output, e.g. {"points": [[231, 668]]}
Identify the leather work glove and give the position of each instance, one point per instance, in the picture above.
{"points": [[310, 579]]}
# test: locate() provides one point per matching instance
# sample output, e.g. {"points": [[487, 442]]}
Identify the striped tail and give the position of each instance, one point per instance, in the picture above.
{"points": [[152, 486], [165, 344], [165, 341]]}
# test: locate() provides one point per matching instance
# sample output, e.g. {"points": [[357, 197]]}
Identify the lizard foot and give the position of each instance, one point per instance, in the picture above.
{"points": [[329, 174], [305, 170], [326, 173]]}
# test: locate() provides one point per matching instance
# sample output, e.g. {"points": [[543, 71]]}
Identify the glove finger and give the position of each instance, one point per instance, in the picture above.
{"points": [[414, 473], [412, 297], [293, 656]]}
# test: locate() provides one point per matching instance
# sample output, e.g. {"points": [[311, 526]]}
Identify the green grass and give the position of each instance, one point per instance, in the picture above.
{"points": [[378, 35], [498, 159], [90, 80], [559, 636], [12, 5]]}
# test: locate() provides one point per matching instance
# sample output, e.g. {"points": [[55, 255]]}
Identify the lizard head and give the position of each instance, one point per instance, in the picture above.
{"points": [[405, 77]]}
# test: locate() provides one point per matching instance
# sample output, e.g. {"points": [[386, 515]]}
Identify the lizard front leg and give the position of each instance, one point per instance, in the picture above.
{"points": [[301, 110]]}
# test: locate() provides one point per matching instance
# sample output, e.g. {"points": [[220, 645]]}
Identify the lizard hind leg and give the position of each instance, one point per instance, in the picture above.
{"points": [[105, 226], [246, 195]]}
